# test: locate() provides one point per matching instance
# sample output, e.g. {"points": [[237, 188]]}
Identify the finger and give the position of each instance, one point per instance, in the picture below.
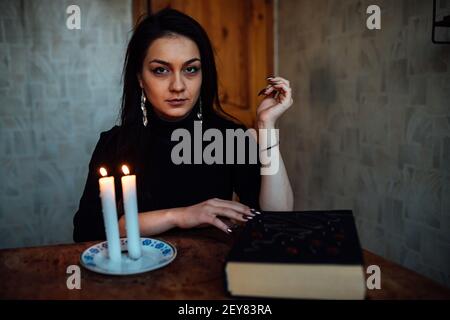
{"points": [[237, 206], [232, 223], [229, 213], [273, 81], [283, 86], [275, 91], [263, 91], [220, 224], [277, 84], [285, 90], [279, 79], [269, 90], [235, 223]]}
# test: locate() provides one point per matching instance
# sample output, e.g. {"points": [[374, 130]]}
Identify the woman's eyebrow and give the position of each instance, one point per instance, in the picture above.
{"points": [[169, 64]]}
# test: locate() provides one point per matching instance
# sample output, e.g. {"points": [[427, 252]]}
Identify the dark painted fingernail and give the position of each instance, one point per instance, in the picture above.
{"points": [[229, 230], [270, 77], [248, 217], [261, 92]]}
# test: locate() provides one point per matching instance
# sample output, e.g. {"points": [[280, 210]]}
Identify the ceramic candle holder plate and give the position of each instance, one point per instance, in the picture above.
{"points": [[155, 254]]}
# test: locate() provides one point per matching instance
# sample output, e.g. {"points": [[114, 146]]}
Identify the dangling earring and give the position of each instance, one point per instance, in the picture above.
{"points": [[144, 109], [199, 113]]}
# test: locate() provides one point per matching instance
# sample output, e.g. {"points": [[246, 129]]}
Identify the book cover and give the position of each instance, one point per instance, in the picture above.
{"points": [[311, 254], [299, 237]]}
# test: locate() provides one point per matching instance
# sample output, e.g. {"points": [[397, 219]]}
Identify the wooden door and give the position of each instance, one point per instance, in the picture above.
{"points": [[241, 32]]}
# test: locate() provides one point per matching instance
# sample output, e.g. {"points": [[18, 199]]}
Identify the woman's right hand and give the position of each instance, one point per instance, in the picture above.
{"points": [[209, 212]]}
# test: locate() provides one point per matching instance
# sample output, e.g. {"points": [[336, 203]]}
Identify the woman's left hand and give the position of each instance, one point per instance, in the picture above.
{"points": [[278, 98]]}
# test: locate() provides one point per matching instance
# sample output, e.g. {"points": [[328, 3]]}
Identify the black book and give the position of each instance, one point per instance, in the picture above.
{"points": [[301, 254]]}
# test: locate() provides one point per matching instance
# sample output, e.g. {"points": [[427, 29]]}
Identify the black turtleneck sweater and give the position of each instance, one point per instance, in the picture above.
{"points": [[161, 184]]}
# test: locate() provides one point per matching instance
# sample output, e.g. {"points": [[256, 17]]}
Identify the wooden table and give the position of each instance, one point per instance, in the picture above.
{"points": [[196, 273]]}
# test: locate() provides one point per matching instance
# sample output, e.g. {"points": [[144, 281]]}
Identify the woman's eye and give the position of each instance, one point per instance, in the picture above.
{"points": [[159, 70], [192, 69]]}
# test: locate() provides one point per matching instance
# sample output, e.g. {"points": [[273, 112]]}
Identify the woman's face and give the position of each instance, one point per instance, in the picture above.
{"points": [[172, 70]]}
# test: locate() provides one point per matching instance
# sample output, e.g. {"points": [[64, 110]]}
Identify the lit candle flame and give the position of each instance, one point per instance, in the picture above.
{"points": [[103, 172], [125, 170]]}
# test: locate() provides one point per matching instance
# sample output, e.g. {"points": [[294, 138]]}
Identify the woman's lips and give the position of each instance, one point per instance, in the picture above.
{"points": [[176, 102]]}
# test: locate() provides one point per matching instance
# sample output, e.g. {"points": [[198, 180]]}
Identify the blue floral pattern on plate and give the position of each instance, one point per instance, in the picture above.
{"points": [[155, 254]]}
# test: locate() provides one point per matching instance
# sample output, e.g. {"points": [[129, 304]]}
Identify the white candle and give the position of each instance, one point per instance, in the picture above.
{"points": [[108, 197], [131, 214]]}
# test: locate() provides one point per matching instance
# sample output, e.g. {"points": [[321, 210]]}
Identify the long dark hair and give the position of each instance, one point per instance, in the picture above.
{"points": [[164, 23]]}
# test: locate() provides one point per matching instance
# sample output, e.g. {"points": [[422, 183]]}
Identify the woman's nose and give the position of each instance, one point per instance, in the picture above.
{"points": [[177, 83]]}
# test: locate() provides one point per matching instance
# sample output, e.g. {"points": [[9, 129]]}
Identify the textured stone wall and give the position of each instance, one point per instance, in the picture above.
{"points": [[370, 127], [59, 89]]}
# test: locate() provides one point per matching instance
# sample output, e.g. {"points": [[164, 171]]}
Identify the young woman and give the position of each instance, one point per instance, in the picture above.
{"points": [[170, 83]]}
